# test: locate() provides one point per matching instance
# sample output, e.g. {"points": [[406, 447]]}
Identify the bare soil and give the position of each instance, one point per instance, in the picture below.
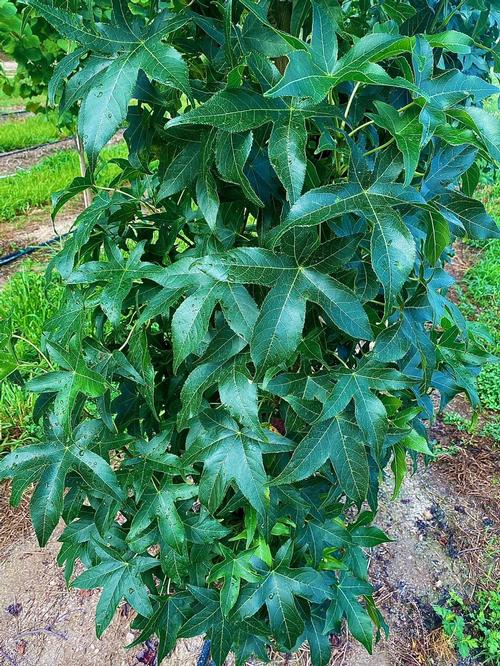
{"points": [[32, 230], [8, 66], [8, 113], [14, 161]]}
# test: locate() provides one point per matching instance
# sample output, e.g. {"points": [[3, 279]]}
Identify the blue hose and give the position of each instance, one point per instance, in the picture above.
{"points": [[14, 256], [204, 658]]}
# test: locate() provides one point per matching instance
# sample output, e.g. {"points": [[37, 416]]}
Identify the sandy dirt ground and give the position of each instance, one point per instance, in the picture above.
{"points": [[440, 532]]}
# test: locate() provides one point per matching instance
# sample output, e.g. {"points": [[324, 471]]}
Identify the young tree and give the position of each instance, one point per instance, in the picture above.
{"points": [[256, 312], [36, 46]]}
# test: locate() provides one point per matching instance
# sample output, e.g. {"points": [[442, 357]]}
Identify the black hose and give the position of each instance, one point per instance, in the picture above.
{"points": [[32, 148], [22, 112], [14, 256], [204, 658]]}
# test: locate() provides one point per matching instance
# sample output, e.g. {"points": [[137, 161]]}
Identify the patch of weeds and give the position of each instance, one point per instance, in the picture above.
{"points": [[34, 187], [490, 196], [459, 421], [26, 302], [483, 279], [480, 300], [31, 131], [474, 629], [447, 451], [16, 423], [489, 386], [492, 430]]}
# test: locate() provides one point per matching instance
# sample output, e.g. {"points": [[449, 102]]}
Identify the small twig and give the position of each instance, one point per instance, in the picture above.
{"points": [[87, 194], [122, 347], [127, 194], [43, 630], [470, 550], [381, 147]]}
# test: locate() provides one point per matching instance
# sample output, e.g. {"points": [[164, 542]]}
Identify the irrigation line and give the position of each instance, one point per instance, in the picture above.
{"points": [[20, 112], [32, 148], [204, 658], [25, 251]]}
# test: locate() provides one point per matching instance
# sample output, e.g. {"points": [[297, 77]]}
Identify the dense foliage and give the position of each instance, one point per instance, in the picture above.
{"points": [[30, 41], [256, 310]]}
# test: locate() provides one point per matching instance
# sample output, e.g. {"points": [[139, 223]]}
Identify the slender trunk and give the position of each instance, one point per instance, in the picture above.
{"points": [[87, 195], [282, 12]]}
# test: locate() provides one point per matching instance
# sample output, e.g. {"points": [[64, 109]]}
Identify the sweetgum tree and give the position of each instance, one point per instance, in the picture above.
{"points": [[256, 312], [36, 46]]}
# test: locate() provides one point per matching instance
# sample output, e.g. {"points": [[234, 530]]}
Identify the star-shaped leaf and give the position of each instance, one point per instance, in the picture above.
{"points": [[346, 603], [358, 384], [48, 465], [158, 506], [233, 570], [120, 579], [277, 590], [407, 131], [211, 621], [278, 329], [117, 274], [170, 614], [340, 440], [75, 379], [232, 454]]}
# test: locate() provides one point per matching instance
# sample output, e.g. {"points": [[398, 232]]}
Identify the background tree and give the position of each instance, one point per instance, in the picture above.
{"points": [[256, 312]]}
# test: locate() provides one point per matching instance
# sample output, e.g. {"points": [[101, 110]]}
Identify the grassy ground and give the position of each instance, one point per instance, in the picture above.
{"points": [[482, 284], [481, 299], [34, 187], [30, 131], [25, 305]]}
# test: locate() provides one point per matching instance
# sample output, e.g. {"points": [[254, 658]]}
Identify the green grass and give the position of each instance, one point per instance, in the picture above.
{"points": [[473, 628], [481, 299], [490, 196], [26, 303], [30, 131], [34, 187], [483, 289], [490, 428]]}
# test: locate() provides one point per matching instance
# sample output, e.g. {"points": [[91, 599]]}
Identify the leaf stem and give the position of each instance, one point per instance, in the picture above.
{"points": [[360, 127], [28, 342], [127, 340], [127, 194], [436, 16], [349, 103], [452, 14], [370, 122], [384, 145]]}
